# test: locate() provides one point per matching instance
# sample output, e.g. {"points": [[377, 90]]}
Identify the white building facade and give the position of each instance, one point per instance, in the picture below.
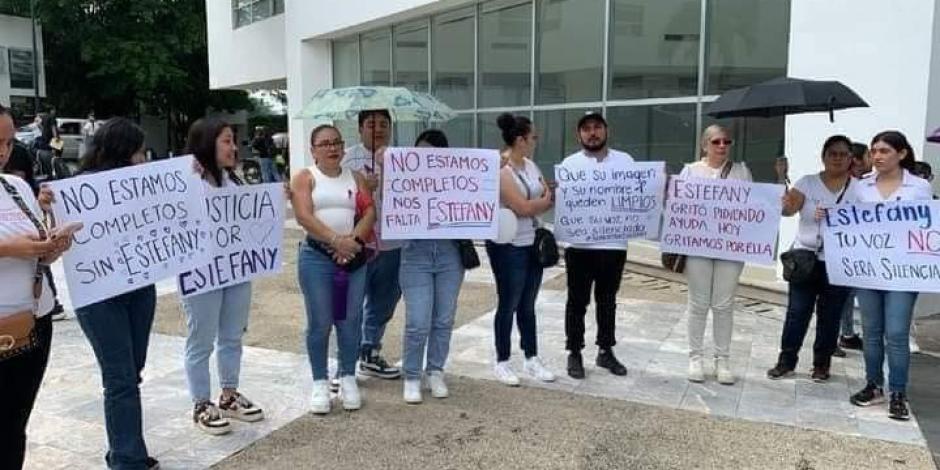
{"points": [[17, 77], [652, 66]]}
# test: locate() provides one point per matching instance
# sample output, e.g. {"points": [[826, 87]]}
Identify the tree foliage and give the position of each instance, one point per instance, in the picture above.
{"points": [[128, 57]]}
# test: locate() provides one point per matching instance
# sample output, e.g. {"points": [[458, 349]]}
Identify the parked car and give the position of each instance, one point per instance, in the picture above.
{"points": [[70, 131], [27, 134]]}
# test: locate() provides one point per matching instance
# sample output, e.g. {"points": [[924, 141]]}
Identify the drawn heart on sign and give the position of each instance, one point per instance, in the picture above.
{"points": [[260, 231]]}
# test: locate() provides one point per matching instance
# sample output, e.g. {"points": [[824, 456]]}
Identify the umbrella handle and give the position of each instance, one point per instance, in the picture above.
{"points": [[832, 100]]}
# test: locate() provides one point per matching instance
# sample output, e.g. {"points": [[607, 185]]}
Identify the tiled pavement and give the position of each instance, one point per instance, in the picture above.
{"points": [[67, 430]]}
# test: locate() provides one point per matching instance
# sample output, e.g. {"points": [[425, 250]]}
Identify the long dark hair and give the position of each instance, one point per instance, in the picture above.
{"points": [[435, 137], [898, 142], [113, 145], [513, 127], [201, 143]]}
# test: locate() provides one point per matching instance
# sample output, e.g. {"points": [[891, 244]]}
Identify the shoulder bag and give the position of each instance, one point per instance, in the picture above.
{"points": [[676, 262], [18, 331], [545, 246], [799, 264]]}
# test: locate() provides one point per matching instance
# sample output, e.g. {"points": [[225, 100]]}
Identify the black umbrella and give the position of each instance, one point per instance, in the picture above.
{"points": [[782, 96]]}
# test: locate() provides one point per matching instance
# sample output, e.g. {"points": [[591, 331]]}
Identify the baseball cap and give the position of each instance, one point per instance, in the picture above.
{"points": [[592, 116]]}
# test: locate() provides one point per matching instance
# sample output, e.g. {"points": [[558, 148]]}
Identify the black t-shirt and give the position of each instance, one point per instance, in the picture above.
{"points": [[20, 164]]}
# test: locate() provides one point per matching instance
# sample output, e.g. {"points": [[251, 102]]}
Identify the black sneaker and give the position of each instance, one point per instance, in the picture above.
{"points": [[153, 464], [820, 374], [575, 366], [851, 342], [58, 312], [839, 352], [371, 363], [780, 372], [607, 360], [868, 396], [898, 409]]}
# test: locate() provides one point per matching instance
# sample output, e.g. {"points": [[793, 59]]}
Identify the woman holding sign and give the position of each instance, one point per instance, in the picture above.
{"points": [[886, 315], [810, 287], [334, 206], [431, 275], [713, 282], [518, 274], [219, 316]]}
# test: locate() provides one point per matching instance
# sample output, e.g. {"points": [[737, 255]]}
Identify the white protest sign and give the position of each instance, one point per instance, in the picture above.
{"points": [[884, 246], [246, 226], [603, 204], [722, 219], [143, 223], [439, 193]]}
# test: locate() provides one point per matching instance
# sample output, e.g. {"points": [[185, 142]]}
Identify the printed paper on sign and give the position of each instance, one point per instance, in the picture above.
{"points": [[439, 193], [142, 224]]}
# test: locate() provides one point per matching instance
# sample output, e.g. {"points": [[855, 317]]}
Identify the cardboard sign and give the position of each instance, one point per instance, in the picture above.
{"points": [[885, 246], [246, 225], [596, 204], [143, 223], [722, 219], [439, 193]]}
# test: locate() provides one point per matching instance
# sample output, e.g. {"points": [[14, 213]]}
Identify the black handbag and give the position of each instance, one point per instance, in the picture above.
{"points": [[468, 254], [799, 264], [545, 246]]}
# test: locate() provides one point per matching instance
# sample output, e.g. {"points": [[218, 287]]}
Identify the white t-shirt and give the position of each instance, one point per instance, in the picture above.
{"points": [[359, 158], [700, 169], [529, 183], [17, 274], [580, 160], [816, 194], [912, 188]]}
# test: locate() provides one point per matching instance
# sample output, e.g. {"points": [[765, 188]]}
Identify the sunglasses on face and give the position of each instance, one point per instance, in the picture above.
{"points": [[721, 141]]}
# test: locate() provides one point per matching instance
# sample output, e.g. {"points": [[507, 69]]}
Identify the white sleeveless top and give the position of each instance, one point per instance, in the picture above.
{"points": [[334, 199], [529, 182]]}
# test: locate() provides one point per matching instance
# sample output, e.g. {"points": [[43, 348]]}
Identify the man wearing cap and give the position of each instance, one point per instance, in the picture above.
{"points": [[593, 264]]}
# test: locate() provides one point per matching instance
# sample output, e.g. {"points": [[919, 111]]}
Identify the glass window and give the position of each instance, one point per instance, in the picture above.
{"points": [[655, 133], [570, 63], [505, 54], [654, 48], [245, 12], [757, 142], [557, 137], [278, 7], [452, 58], [375, 58], [346, 62], [488, 133], [411, 57], [459, 130], [747, 42], [21, 68]]}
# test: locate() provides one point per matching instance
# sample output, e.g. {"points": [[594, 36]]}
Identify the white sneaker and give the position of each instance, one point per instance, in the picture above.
{"points": [[723, 371], [349, 393], [696, 372], [505, 375], [412, 391], [534, 367], [321, 397], [436, 384]]}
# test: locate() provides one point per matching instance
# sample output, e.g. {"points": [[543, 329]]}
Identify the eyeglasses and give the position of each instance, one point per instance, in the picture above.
{"points": [[324, 145], [721, 141]]}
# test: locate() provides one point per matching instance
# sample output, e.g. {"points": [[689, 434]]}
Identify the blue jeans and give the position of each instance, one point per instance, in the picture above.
{"points": [[804, 297], [269, 173], [315, 273], [382, 294], [848, 315], [886, 328], [220, 317], [119, 332], [518, 278], [431, 275]]}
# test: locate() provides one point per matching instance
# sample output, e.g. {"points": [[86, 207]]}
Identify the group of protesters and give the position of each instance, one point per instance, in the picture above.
{"points": [[352, 279]]}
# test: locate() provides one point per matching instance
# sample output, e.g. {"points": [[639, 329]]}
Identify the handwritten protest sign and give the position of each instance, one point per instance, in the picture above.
{"points": [[245, 226], [440, 193], [597, 204], [721, 219], [142, 224], [885, 245]]}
